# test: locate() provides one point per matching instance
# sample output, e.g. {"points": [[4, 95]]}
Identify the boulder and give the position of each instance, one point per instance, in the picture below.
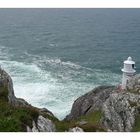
{"points": [[42, 125]]}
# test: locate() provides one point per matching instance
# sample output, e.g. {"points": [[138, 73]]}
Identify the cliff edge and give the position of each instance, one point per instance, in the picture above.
{"points": [[118, 110], [104, 109], [18, 115]]}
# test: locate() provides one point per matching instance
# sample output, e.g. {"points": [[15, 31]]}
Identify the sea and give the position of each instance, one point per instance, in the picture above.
{"points": [[56, 55]]}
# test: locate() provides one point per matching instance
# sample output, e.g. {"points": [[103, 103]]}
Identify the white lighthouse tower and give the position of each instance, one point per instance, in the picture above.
{"points": [[128, 71]]}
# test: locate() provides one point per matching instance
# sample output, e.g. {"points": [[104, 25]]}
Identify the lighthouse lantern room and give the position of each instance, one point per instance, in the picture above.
{"points": [[128, 71]]}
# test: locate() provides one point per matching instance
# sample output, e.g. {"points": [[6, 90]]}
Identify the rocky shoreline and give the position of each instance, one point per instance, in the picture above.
{"points": [[104, 109]]}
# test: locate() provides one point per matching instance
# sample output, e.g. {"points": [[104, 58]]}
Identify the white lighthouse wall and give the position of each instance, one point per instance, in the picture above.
{"points": [[125, 78]]}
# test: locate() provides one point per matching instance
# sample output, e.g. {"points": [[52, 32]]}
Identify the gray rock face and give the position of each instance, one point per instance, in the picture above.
{"points": [[119, 108], [76, 129], [133, 84], [90, 102], [42, 125], [119, 111], [5, 80]]}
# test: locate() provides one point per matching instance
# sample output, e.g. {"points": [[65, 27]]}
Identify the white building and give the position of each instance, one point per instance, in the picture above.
{"points": [[128, 71]]}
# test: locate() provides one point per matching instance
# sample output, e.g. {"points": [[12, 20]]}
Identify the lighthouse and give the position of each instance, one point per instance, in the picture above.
{"points": [[128, 71]]}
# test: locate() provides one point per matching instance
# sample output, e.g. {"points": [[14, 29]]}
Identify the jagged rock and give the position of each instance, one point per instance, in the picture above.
{"points": [[76, 129], [45, 125], [90, 102], [42, 125], [119, 107], [34, 129], [133, 84], [119, 111], [28, 129], [6, 81]]}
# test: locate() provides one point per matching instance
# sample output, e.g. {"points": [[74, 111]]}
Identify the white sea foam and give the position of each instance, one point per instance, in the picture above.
{"points": [[55, 90]]}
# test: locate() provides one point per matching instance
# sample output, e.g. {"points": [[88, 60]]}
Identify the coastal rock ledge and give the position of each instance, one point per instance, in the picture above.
{"points": [[104, 109], [119, 110]]}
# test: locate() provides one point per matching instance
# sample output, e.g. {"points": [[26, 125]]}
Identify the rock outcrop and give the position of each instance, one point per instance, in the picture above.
{"points": [[38, 116], [42, 125], [119, 111], [90, 102], [7, 84], [120, 108]]}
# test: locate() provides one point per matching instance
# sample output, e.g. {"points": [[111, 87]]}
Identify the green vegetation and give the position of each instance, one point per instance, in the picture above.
{"points": [[16, 118], [92, 117], [93, 122], [136, 127], [52, 118], [4, 93], [62, 126], [92, 125]]}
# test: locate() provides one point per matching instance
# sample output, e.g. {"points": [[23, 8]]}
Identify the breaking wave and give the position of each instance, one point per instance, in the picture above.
{"points": [[53, 83]]}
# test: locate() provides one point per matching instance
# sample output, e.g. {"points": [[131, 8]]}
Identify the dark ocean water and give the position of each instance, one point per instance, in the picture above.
{"points": [[56, 55]]}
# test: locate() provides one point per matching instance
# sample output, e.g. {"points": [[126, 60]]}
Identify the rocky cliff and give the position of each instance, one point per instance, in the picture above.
{"points": [[18, 115], [105, 108], [119, 109]]}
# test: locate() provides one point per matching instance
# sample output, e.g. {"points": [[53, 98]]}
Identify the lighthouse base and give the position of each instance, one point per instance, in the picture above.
{"points": [[125, 78]]}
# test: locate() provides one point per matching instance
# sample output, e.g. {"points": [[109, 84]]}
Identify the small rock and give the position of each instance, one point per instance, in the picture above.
{"points": [[82, 122], [76, 129], [28, 129]]}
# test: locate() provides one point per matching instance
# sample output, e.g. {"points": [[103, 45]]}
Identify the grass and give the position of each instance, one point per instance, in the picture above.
{"points": [[62, 126], [52, 118], [15, 119], [136, 127], [4, 93], [93, 122], [92, 125], [92, 117]]}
